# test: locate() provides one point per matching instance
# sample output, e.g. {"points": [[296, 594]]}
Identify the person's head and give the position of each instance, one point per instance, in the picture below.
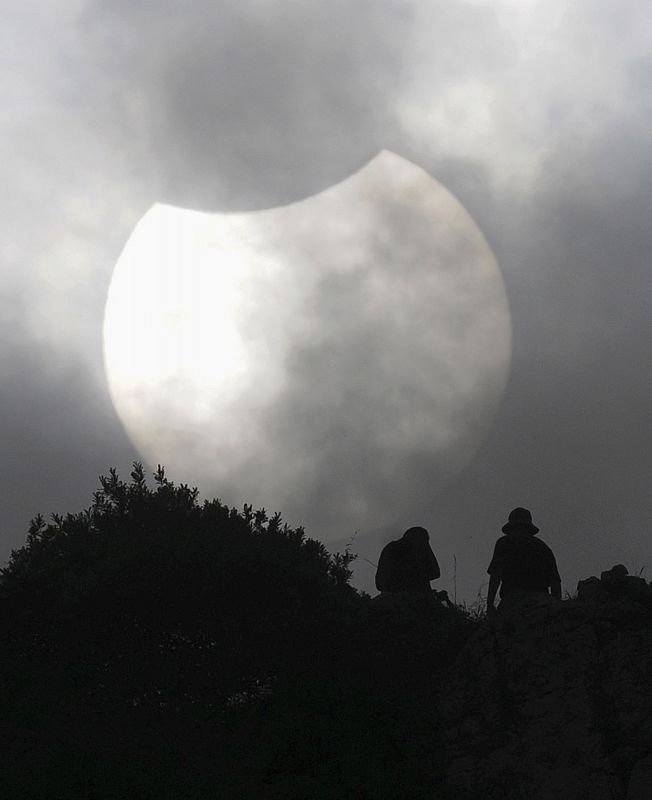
{"points": [[416, 535], [520, 521]]}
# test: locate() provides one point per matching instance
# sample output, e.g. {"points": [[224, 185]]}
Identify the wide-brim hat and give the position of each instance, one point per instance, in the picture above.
{"points": [[520, 519]]}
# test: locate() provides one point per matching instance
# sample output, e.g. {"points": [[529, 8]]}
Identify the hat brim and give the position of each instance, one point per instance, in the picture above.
{"points": [[513, 526]]}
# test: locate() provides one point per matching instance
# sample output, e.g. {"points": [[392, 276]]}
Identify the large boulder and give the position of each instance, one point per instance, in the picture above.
{"points": [[553, 700], [614, 582]]}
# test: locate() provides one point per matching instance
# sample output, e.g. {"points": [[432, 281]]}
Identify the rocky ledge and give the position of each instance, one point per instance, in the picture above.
{"points": [[553, 699]]}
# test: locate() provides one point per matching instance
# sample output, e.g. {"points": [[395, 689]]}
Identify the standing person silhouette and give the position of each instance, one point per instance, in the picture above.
{"points": [[408, 564], [522, 566]]}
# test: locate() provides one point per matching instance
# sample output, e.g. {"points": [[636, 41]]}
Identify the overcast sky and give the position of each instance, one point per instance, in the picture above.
{"points": [[536, 116]]}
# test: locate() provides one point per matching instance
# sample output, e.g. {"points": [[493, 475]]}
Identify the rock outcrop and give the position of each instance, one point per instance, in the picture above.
{"points": [[554, 699]]}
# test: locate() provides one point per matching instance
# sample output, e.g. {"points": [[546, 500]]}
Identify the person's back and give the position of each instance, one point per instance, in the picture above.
{"points": [[527, 563], [407, 565], [521, 565]]}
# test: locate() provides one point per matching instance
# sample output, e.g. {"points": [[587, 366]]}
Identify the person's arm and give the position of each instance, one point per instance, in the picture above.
{"points": [[494, 583], [381, 574], [433, 566], [495, 571], [554, 581], [386, 569]]}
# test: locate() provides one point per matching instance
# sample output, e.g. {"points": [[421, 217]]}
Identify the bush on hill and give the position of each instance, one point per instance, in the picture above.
{"points": [[156, 646]]}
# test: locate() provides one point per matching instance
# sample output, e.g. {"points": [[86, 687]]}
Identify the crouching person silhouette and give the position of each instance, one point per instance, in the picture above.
{"points": [[522, 566], [408, 564]]}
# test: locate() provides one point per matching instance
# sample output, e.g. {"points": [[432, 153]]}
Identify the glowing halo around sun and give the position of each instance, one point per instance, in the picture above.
{"points": [[337, 359]]}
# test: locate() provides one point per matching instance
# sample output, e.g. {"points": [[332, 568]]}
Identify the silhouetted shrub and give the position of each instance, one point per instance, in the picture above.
{"points": [[155, 646]]}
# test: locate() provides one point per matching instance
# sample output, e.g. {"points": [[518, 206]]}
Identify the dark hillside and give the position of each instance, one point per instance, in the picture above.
{"points": [[156, 647], [555, 699]]}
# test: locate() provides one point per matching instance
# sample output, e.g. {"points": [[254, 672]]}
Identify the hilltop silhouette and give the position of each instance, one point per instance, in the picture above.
{"points": [[158, 647]]}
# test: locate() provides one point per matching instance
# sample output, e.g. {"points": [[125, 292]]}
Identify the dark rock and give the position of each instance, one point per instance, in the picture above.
{"points": [[615, 573], [592, 590], [615, 582], [553, 701], [640, 783]]}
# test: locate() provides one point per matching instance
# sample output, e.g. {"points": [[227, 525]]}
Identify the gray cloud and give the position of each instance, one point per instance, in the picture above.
{"points": [[534, 115], [572, 440], [58, 434], [375, 343], [250, 105]]}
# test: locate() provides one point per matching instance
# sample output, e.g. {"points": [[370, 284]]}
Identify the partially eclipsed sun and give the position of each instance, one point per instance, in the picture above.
{"points": [[338, 358]]}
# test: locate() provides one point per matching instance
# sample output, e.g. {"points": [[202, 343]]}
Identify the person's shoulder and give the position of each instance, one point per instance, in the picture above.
{"points": [[540, 542], [541, 545], [391, 548]]}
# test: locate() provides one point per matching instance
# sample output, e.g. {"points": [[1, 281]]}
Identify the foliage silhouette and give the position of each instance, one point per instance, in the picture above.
{"points": [[156, 646]]}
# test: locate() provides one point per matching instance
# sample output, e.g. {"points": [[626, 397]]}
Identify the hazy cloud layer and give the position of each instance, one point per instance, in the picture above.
{"points": [[248, 105], [321, 356], [537, 116]]}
